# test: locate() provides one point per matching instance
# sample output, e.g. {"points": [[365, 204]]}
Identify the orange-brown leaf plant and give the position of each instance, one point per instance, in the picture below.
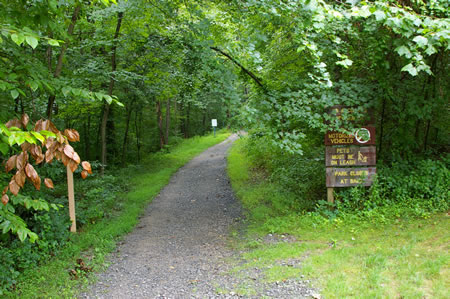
{"points": [[56, 148]]}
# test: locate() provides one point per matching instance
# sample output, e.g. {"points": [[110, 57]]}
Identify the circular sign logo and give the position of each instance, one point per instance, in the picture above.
{"points": [[362, 135]]}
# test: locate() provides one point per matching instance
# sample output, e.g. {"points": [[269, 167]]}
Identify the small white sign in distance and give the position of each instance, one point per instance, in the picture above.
{"points": [[214, 122]]}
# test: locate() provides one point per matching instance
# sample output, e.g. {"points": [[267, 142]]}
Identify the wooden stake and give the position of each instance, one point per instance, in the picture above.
{"points": [[73, 228], [330, 194]]}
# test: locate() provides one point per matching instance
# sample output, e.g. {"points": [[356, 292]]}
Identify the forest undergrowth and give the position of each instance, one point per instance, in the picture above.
{"points": [[390, 240]]}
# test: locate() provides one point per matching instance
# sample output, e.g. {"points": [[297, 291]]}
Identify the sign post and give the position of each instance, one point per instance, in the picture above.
{"points": [[73, 227], [346, 151], [214, 125]]}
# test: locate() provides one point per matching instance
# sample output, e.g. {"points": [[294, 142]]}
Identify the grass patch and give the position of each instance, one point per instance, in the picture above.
{"points": [[97, 240], [346, 257]]}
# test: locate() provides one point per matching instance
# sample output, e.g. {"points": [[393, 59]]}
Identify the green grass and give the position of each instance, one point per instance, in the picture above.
{"points": [[405, 258], [96, 241]]}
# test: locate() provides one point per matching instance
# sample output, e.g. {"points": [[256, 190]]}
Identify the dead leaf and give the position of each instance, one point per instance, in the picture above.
{"points": [[52, 127], [21, 160], [20, 178], [49, 155], [25, 146], [38, 126], [76, 158], [5, 190], [14, 123], [69, 151], [49, 142], [84, 174], [13, 187], [86, 166], [64, 159], [72, 135], [37, 183], [45, 124], [60, 138], [31, 173], [48, 183], [11, 163], [24, 120], [73, 165], [5, 199]]}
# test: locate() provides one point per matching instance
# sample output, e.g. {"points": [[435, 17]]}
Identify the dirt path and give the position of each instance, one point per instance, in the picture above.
{"points": [[179, 250]]}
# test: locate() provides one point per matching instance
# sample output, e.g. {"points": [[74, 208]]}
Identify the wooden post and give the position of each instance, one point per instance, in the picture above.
{"points": [[330, 194], [73, 228]]}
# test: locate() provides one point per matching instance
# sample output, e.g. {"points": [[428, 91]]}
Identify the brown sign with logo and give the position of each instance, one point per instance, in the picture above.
{"points": [[362, 136], [348, 177], [350, 156]]}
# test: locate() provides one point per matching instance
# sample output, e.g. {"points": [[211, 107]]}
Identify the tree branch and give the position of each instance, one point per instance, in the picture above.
{"points": [[253, 76]]}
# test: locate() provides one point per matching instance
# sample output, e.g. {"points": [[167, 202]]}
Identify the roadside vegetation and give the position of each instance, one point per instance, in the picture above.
{"points": [[390, 240], [108, 206]]}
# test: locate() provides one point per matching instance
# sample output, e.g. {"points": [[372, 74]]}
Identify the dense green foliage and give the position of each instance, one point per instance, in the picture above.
{"points": [[400, 190]]}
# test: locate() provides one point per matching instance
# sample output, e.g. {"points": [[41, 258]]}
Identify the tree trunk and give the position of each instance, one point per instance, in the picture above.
{"points": [[51, 99], [125, 137], [186, 128], [204, 122], [159, 120], [106, 106], [167, 121], [137, 129], [382, 126]]}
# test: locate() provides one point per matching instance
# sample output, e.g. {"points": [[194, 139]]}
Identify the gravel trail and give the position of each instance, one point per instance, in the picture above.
{"points": [[179, 248]]}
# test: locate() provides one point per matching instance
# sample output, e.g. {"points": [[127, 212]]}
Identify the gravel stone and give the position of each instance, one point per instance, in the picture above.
{"points": [[179, 248]]}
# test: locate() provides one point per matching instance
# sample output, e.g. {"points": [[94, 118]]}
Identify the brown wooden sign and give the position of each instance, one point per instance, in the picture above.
{"points": [[362, 136], [348, 177], [350, 156]]}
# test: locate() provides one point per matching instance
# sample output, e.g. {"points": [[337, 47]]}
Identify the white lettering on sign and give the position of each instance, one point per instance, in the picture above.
{"points": [[214, 122]]}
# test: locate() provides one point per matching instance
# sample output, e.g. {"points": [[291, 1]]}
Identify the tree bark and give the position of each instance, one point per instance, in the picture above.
{"points": [[138, 132], [186, 127], [167, 121], [58, 69], [125, 137], [159, 120], [106, 106]]}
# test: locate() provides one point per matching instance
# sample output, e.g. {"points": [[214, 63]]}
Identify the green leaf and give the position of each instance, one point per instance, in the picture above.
{"points": [[4, 148], [53, 42], [119, 103], [345, 63], [17, 38], [410, 69], [33, 237], [22, 233], [32, 41], [76, 91], [47, 133], [33, 85], [420, 41], [14, 93], [403, 51], [430, 50], [38, 136], [65, 90], [108, 99], [379, 15]]}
